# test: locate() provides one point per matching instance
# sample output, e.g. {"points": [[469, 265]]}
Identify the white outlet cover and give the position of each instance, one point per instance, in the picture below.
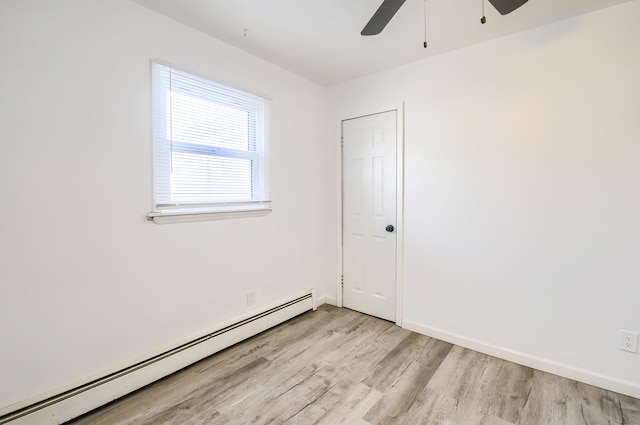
{"points": [[251, 298], [628, 341]]}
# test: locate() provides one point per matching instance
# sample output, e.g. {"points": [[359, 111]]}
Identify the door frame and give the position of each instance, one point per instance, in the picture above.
{"points": [[399, 108]]}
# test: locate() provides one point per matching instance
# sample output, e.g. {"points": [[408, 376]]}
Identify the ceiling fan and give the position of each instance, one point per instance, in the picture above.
{"points": [[388, 8]]}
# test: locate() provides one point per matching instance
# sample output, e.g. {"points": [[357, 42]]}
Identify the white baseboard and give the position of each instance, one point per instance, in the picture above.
{"points": [[327, 300], [621, 386]]}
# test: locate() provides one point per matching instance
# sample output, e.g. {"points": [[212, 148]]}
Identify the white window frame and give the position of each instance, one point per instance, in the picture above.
{"points": [[166, 207]]}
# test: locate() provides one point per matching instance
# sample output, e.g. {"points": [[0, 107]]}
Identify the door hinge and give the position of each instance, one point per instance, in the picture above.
{"points": [[342, 281], [342, 141]]}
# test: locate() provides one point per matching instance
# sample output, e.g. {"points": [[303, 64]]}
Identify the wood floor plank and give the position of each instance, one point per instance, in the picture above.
{"points": [[202, 398], [343, 334], [596, 402], [553, 400], [630, 409], [566, 401], [408, 381], [317, 407], [329, 333], [470, 379], [339, 367], [391, 367], [274, 398], [355, 355], [352, 407], [430, 407], [512, 387]]}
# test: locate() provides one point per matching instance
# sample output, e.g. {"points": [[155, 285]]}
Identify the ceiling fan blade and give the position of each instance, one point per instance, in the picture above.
{"points": [[381, 18], [507, 6]]}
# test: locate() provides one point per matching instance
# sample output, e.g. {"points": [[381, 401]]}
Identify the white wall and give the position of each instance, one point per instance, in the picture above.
{"points": [[87, 284], [522, 183], [521, 198]]}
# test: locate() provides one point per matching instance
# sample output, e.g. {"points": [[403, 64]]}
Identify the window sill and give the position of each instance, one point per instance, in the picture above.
{"points": [[187, 217]]}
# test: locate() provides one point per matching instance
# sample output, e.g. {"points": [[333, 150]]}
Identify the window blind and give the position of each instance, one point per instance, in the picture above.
{"points": [[209, 145]]}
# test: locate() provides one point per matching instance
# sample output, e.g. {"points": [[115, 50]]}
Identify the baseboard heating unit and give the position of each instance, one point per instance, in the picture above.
{"points": [[70, 404]]}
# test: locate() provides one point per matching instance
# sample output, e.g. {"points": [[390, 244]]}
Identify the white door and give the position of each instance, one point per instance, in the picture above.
{"points": [[369, 214]]}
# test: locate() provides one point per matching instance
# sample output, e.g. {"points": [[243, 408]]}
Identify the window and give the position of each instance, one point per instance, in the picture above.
{"points": [[209, 148]]}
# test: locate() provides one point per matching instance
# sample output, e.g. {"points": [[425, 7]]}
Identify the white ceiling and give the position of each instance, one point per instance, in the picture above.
{"points": [[320, 39]]}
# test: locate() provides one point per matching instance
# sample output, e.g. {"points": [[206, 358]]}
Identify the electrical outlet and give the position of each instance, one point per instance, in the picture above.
{"points": [[628, 341], [251, 298]]}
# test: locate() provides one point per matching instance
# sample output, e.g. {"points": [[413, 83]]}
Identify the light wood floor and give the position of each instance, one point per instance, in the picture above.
{"points": [[337, 366]]}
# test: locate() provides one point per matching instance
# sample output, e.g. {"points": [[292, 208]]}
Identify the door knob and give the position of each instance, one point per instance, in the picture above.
{"points": [[389, 228]]}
